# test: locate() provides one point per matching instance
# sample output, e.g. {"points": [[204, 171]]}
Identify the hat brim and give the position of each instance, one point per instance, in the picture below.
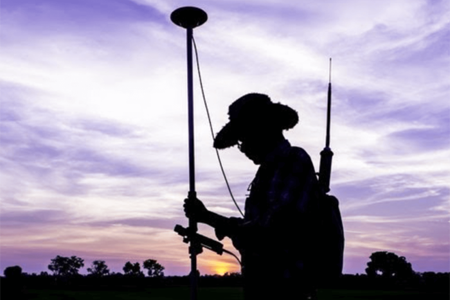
{"points": [[227, 137]]}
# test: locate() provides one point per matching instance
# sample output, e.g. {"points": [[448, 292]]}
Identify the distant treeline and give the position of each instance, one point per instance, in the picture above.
{"points": [[422, 281], [385, 270]]}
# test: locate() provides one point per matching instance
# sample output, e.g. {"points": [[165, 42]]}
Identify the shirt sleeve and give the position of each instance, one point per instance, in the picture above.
{"points": [[228, 228]]}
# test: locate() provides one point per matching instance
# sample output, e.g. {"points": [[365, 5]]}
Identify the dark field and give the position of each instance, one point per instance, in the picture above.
{"points": [[218, 293]]}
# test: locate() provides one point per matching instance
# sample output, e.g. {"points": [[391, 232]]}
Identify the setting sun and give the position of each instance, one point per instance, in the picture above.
{"points": [[221, 267]]}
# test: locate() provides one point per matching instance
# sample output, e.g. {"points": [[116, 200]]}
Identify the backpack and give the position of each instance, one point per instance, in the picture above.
{"points": [[328, 240]]}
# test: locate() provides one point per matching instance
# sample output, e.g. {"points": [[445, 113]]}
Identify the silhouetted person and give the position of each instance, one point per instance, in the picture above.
{"points": [[273, 236]]}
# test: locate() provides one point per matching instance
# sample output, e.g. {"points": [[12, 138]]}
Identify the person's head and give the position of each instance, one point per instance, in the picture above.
{"points": [[256, 125]]}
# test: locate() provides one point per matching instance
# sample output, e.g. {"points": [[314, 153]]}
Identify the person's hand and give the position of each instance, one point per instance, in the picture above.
{"points": [[194, 208]]}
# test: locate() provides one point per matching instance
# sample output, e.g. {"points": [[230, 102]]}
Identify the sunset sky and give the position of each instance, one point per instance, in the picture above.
{"points": [[93, 123]]}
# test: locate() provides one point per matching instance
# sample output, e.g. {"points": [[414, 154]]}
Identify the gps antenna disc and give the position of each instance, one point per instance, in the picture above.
{"points": [[189, 17]]}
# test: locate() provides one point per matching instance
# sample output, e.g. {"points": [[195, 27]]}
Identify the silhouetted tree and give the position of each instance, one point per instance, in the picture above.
{"points": [[65, 266], [13, 272], [98, 268], [132, 269], [154, 269], [389, 265], [12, 286]]}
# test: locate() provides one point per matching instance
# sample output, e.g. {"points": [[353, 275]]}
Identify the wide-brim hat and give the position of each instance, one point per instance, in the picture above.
{"points": [[253, 111]]}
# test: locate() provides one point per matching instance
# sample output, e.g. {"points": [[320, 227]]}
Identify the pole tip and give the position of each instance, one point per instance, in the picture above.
{"points": [[189, 17]]}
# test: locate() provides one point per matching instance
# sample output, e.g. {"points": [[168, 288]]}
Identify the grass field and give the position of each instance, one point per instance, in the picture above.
{"points": [[229, 293]]}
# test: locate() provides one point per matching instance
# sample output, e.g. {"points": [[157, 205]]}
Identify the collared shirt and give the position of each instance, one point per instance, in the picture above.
{"points": [[275, 225]]}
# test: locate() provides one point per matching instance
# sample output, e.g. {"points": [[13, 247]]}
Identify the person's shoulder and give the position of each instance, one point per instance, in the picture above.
{"points": [[292, 154], [299, 158], [296, 152]]}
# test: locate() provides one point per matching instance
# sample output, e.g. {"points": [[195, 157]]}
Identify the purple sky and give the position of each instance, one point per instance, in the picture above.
{"points": [[93, 120]]}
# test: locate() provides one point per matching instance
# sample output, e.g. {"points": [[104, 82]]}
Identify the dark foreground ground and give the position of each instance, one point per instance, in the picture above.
{"points": [[214, 293]]}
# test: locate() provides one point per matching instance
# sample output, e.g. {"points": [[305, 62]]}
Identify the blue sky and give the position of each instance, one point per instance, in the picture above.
{"points": [[93, 126]]}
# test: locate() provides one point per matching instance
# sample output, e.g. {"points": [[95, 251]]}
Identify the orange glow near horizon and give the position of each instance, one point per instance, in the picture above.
{"points": [[221, 267]]}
